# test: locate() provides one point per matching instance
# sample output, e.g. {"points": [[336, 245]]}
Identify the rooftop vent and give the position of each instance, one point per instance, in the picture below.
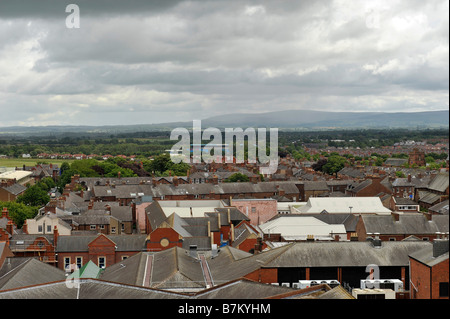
{"points": [[193, 251]]}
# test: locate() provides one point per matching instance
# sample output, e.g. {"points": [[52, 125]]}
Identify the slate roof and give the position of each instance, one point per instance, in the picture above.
{"points": [[352, 172], [30, 272], [396, 161], [81, 242], [345, 254], [15, 189], [89, 289], [427, 257], [170, 269], [132, 191], [242, 289], [408, 224]]}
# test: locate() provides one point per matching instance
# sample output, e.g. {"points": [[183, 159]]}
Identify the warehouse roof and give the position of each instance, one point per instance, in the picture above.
{"points": [[355, 205]]}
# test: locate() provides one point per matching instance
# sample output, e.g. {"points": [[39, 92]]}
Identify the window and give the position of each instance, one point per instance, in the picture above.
{"points": [[123, 227], [124, 257], [93, 227], [79, 262], [253, 209], [49, 228], [102, 226], [101, 262], [66, 262], [425, 238], [113, 230], [443, 289], [39, 228], [391, 239]]}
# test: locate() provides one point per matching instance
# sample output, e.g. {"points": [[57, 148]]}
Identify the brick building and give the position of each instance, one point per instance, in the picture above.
{"points": [[429, 271], [258, 211], [103, 250], [397, 227], [417, 158]]}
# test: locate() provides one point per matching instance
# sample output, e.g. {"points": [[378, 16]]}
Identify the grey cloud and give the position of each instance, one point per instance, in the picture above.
{"points": [[160, 60]]}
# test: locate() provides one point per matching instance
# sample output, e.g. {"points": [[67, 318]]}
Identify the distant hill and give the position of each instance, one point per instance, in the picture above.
{"points": [[319, 120], [294, 119]]}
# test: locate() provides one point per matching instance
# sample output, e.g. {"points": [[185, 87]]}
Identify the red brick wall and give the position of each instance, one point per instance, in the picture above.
{"points": [[427, 279], [264, 275], [155, 239], [249, 245], [110, 259], [102, 247], [440, 273]]}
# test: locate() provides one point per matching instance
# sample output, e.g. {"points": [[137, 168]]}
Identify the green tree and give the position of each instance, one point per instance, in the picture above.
{"points": [[335, 164], [237, 177], [19, 212], [34, 196]]}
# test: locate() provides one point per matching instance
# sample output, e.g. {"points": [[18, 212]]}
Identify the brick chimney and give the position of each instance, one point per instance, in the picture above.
{"points": [[5, 213], [409, 178], [215, 179], [25, 227], [10, 227], [175, 181], [55, 236], [396, 216]]}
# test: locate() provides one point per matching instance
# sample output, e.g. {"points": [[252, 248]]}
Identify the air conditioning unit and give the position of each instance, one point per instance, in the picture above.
{"points": [[285, 284], [296, 285], [310, 283], [394, 284]]}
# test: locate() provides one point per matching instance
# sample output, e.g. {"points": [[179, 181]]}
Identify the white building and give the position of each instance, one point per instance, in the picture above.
{"points": [[343, 205], [295, 228], [45, 224]]}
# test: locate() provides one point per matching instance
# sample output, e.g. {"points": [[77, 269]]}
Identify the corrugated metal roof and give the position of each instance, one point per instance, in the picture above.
{"points": [[440, 182]]}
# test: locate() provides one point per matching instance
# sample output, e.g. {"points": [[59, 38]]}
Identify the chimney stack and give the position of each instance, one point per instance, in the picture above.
{"points": [[5, 213], [440, 247], [376, 242], [25, 227], [409, 178], [55, 236], [10, 227], [396, 216]]}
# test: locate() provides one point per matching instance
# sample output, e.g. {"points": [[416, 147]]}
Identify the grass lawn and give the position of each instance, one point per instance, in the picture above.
{"points": [[19, 162]]}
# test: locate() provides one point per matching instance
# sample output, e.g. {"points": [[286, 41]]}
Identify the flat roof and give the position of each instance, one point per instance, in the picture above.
{"points": [[18, 175]]}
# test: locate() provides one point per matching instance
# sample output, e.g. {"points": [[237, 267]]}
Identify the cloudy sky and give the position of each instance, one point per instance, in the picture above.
{"points": [[141, 62]]}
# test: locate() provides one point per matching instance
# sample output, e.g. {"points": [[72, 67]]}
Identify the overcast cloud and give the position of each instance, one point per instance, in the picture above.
{"points": [[139, 62]]}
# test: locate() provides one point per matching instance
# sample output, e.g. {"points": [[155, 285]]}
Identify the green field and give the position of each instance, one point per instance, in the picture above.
{"points": [[19, 162]]}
